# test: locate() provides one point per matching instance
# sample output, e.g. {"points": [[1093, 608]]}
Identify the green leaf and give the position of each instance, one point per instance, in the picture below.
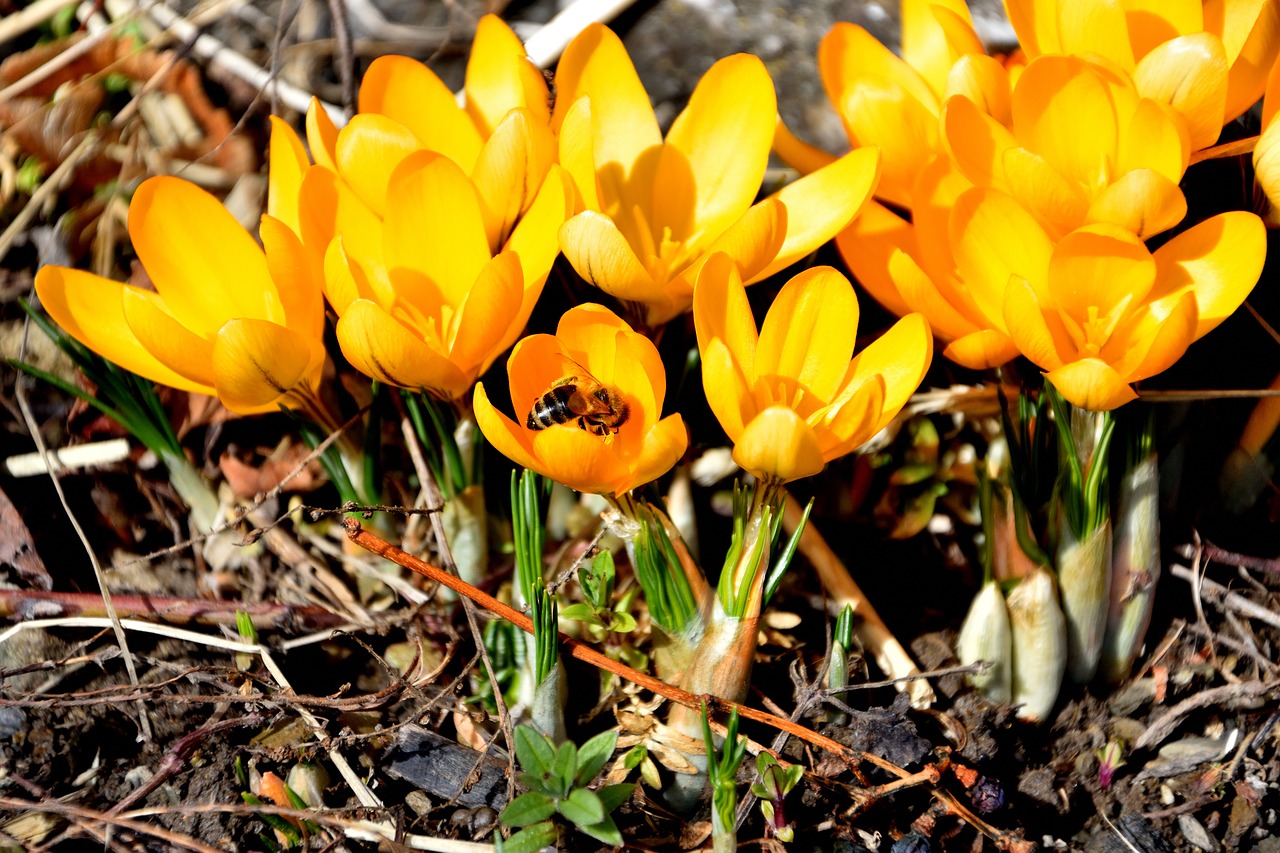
{"points": [[582, 807], [535, 751], [606, 831], [528, 808], [623, 623], [634, 756], [593, 755], [791, 777], [784, 559], [564, 767], [531, 839], [581, 612], [613, 796]]}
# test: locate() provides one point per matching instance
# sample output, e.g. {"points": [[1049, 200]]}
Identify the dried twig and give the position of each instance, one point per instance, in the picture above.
{"points": [[1163, 725], [1215, 591]]}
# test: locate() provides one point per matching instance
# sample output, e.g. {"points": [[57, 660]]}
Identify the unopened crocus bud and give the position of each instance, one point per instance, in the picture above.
{"points": [[1039, 633], [1084, 575], [1135, 568], [985, 636]]}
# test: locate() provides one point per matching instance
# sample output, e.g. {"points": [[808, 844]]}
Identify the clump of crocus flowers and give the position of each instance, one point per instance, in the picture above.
{"points": [[1004, 206]]}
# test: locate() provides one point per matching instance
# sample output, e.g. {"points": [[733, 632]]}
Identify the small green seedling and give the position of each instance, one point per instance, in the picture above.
{"points": [[774, 785], [557, 780], [599, 612], [722, 773]]}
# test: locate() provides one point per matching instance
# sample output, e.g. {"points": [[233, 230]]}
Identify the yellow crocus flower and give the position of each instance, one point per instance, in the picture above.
{"points": [[1209, 61], [225, 319], [894, 103], [790, 397], [432, 227], [1096, 309], [658, 208], [591, 349], [1083, 147]]}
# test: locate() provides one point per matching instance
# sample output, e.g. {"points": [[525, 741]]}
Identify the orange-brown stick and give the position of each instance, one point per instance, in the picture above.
{"points": [[583, 652]]}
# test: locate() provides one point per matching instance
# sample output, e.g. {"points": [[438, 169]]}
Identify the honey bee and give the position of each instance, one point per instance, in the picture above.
{"points": [[598, 408]]}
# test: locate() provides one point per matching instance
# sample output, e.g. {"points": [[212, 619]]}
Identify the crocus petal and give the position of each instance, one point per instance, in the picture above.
{"points": [[1152, 22], [976, 142], [993, 238], [536, 240], [410, 93], [985, 82], [434, 237], [1255, 54], [982, 350], [1190, 74], [753, 241], [288, 161], [1147, 344], [511, 440], [881, 113], [601, 255], [807, 336], [369, 149], [727, 340], [1036, 24], [501, 78], [257, 363], [486, 314], [852, 423], [1097, 28], [1050, 105], [925, 46], [161, 335], [510, 169], [726, 132], [1142, 201], [1099, 268], [1156, 138], [778, 444], [848, 56], [796, 153], [867, 246], [664, 444], [298, 282], [1266, 162], [577, 151], [1024, 317], [208, 274], [921, 295], [322, 136], [820, 205], [380, 346], [91, 310], [900, 357], [589, 334], [596, 65], [1043, 190], [580, 460], [341, 286], [1091, 384], [638, 374], [1221, 259]]}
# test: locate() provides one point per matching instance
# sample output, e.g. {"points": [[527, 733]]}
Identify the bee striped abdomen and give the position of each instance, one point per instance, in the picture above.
{"points": [[552, 408]]}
